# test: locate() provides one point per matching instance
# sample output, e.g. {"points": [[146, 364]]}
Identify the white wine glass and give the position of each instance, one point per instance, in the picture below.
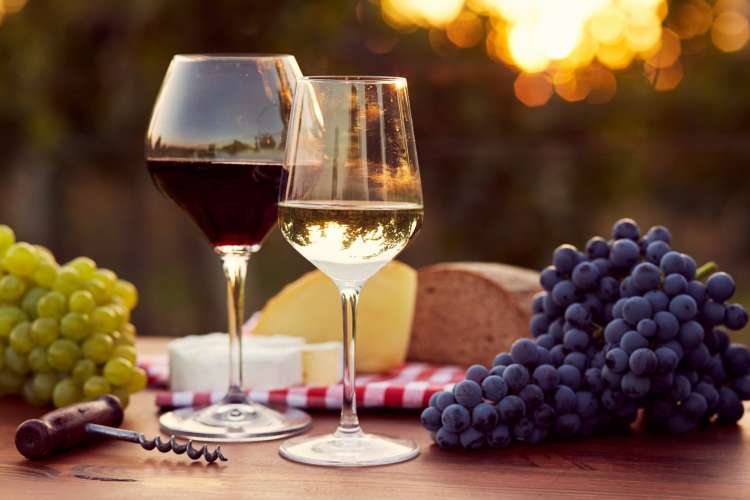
{"points": [[351, 200], [215, 147]]}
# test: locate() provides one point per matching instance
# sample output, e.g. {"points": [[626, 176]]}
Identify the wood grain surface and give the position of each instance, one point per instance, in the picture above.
{"points": [[712, 463]]}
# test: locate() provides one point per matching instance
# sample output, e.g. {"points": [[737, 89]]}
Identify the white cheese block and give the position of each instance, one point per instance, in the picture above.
{"points": [[201, 362], [322, 363]]}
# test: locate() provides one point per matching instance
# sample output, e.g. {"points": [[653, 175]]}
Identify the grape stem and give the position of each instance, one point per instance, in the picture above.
{"points": [[706, 269]]}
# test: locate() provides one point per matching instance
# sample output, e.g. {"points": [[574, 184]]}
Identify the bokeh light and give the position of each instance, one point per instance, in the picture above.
{"points": [[573, 49]]}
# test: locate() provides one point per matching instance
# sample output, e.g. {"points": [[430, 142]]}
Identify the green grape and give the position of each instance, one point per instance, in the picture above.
{"points": [[75, 326], [62, 354], [12, 288], [99, 289], [10, 316], [109, 277], [30, 300], [85, 266], [104, 319], [68, 281], [118, 371], [7, 237], [127, 292], [43, 384], [138, 380], [52, 305], [116, 337], [20, 338], [10, 382], [20, 259], [37, 360], [124, 351], [44, 331], [127, 334], [83, 370], [98, 347], [27, 391], [96, 386], [122, 394], [44, 254], [122, 313], [46, 274], [66, 392], [16, 361], [81, 301]]}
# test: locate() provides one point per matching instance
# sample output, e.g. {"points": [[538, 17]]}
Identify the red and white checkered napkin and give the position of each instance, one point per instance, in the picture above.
{"points": [[409, 386]]}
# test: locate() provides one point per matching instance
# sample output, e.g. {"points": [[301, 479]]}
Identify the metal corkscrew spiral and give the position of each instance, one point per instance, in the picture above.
{"points": [[161, 445]]}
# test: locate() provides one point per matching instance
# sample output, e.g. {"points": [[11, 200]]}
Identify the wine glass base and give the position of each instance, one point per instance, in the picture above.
{"points": [[235, 423], [340, 450]]}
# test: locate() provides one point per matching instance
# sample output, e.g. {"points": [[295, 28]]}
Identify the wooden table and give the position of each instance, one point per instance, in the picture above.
{"points": [[713, 463]]}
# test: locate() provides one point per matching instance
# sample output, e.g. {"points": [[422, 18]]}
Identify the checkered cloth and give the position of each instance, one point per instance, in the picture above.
{"points": [[409, 386]]}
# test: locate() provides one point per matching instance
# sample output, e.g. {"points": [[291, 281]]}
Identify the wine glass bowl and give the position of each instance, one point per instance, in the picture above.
{"points": [[215, 147], [351, 200]]}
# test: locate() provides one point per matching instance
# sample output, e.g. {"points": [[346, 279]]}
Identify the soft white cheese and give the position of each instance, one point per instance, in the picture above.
{"points": [[322, 363], [201, 362]]}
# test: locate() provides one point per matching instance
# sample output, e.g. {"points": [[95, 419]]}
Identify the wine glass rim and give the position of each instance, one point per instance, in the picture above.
{"points": [[355, 79], [231, 56]]}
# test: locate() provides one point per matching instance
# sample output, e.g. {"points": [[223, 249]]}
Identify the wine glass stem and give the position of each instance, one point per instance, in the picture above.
{"points": [[349, 423], [234, 259]]}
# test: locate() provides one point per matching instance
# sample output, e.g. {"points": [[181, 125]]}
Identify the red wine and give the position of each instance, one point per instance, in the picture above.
{"points": [[232, 203]]}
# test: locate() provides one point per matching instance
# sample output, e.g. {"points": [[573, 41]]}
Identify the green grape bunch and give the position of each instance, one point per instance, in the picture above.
{"points": [[65, 330]]}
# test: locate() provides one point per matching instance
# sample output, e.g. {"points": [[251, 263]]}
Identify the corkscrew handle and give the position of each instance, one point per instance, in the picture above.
{"points": [[66, 428]]}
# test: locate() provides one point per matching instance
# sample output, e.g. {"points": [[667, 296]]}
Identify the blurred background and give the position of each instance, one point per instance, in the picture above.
{"points": [[537, 122]]}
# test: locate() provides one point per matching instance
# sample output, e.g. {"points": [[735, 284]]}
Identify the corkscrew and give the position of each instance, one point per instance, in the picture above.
{"points": [[75, 425]]}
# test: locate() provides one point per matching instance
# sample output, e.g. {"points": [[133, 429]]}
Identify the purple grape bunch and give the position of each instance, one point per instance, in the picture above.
{"points": [[628, 325]]}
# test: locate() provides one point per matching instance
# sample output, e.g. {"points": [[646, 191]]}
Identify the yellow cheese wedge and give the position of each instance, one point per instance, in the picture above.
{"points": [[310, 307]]}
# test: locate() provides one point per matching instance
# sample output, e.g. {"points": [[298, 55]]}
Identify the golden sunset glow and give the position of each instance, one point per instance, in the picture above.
{"points": [[573, 49]]}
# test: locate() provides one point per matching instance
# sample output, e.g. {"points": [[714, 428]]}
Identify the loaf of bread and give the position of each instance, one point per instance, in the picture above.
{"points": [[467, 312]]}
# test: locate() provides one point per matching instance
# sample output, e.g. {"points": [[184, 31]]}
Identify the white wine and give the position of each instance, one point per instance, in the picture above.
{"points": [[349, 241]]}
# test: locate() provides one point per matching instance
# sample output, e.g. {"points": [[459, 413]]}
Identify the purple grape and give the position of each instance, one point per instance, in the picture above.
{"points": [[656, 250], [539, 324], [444, 400], [636, 309], [523, 429], [608, 289], [741, 386], [544, 416], [567, 425], [446, 439], [613, 399], [617, 360], [564, 293], [546, 377], [646, 276], [737, 360], [593, 380], [538, 435], [532, 396], [484, 417], [494, 388], [550, 306], [433, 399], [658, 233], [549, 277], [617, 307], [578, 316], [564, 258], [497, 370], [697, 291], [626, 228], [576, 340], [689, 267], [666, 360], [504, 358], [691, 334], [672, 262], [720, 287], [661, 382], [511, 408], [628, 288], [683, 307], [712, 313], [709, 392], [456, 418], [735, 317], [643, 361], [564, 399], [604, 265], [537, 303], [614, 330], [546, 340], [680, 423], [585, 275], [611, 378], [625, 253], [730, 408], [631, 341], [577, 359], [635, 386], [680, 388], [468, 393], [668, 325], [525, 352], [698, 358], [431, 418], [471, 439], [516, 376], [675, 284], [596, 248], [477, 373], [557, 355], [544, 355], [586, 404], [500, 437], [569, 376], [647, 327]]}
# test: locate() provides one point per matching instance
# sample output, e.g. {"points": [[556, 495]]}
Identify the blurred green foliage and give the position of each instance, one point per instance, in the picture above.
{"points": [[502, 182]]}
